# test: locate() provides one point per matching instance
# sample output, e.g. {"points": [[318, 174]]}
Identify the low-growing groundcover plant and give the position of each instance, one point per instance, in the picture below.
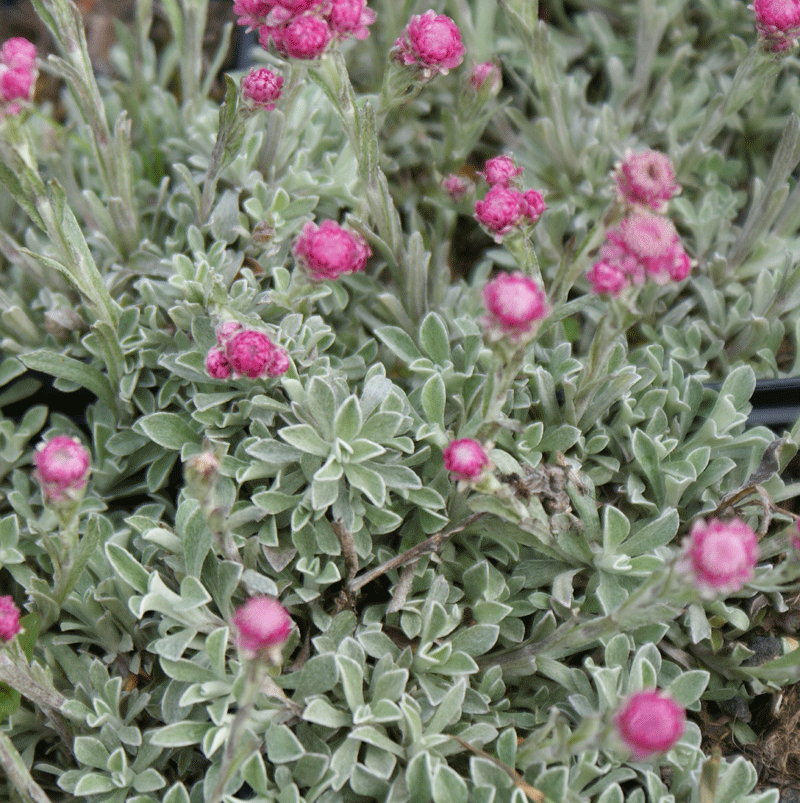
{"points": [[415, 463]]}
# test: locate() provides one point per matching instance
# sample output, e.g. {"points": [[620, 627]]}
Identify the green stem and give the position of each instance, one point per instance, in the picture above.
{"points": [[17, 772]]}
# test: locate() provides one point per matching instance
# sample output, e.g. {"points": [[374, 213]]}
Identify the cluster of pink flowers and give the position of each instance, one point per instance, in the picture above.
{"points": [[514, 304], [262, 627], [63, 467], [505, 208], [261, 88], [650, 723], [328, 251], [17, 73], [465, 459], [430, 45], [244, 352], [778, 23], [9, 618], [303, 29], [720, 556], [645, 244]]}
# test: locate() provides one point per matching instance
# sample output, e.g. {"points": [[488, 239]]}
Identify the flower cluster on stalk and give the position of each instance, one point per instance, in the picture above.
{"points": [[645, 244], [244, 352], [303, 29], [329, 251]]}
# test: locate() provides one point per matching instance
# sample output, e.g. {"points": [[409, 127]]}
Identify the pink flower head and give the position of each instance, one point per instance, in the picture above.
{"points": [[9, 619], [303, 37], [645, 245], [651, 722], [432, 43], [62, 469], [279, 364], [18, 53], [249, 353], [777, 22], [501, 211], [722, 554], [515, 303], [261, 88], [328, 251], [252, 13], [263, 625], [534, 205], [457, 187], [217, 364], [16, 84], [465, 459], [500, 171], [646, 179], [486, 74], [607, 278], [350, 18]]}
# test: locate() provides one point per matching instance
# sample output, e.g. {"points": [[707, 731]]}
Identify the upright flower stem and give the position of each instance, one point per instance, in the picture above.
{"points": [[17, 773]]}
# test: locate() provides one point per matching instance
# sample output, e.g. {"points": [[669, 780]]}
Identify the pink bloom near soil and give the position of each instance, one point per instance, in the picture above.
{"points": [[465, 459], [500, 171], [261, 87], [9, 618], [218, 365], [778, 22], [647, 179], [250, 353], [650, 723], [261, 623], [431, 42], [722, 554], [62, 468], [328, 251], [514, 302]]}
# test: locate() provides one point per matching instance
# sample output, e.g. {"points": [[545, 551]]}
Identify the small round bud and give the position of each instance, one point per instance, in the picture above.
{"points": [[263, 625], [486, 74], [501, 211], [500, 171], [722, 554], [249, 353], [217, 364], [9, 618], [261, 88], [646, 179], [515, 304], [328, 251], [465, 459], [62, 469], [457, 187], [430, 43]]}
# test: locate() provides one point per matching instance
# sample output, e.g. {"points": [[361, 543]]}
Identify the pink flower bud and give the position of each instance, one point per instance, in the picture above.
{"points": [[225, 331], [500, 171], [646, 179], [722, 554], [457, 187], [263, 625], [651, 722], [534, 205], [777, 22], [607, 278], [350, 18], [501, 211], [645, 245], [431, 43], [62, 469], [279, 364], [465, 459], [9, 619], [515, 303], [250, 353], [18, 53], [303, 37], [486, 73], [217, 364], [16, 84], [261, 88], [328, 251]]}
